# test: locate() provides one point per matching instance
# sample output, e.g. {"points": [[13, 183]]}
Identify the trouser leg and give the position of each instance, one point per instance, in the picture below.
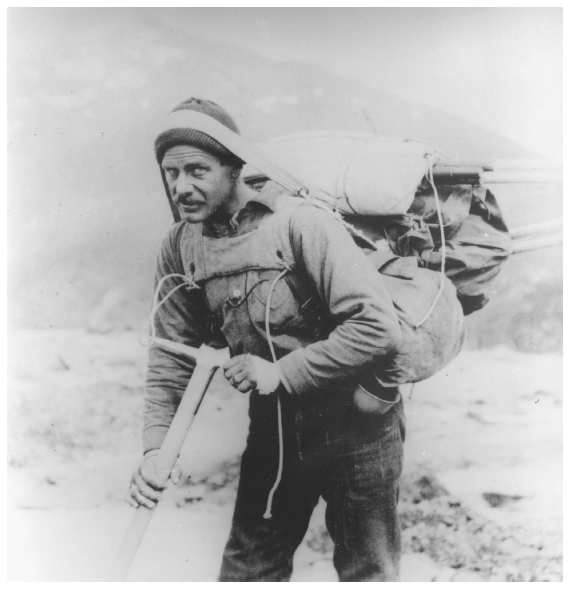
{"points": [[262, 549], [362, 495]]}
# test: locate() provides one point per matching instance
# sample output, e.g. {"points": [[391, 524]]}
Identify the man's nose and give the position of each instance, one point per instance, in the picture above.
{"points": [[184, 185]]}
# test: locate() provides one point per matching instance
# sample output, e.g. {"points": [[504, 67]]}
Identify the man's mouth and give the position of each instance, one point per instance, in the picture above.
{"points": [[189, 205]]}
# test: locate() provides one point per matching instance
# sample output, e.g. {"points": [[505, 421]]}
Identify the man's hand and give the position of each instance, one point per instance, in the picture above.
{"points": [[146, 485], [248, 373]]}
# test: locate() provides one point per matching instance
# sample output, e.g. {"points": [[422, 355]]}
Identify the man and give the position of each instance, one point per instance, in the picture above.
{"points": [[310, 435]]}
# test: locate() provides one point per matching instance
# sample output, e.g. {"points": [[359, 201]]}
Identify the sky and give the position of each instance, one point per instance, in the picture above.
{"points": [[499, 68]]}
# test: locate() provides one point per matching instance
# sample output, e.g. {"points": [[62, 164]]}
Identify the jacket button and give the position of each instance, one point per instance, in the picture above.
{"points": [[235, 296]]}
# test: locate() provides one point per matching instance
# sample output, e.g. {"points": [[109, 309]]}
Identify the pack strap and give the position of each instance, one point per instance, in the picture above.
{"points": [[189, 119]]}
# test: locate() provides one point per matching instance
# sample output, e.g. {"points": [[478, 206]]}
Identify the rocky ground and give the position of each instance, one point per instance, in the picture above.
{"points": [[481, 493]]}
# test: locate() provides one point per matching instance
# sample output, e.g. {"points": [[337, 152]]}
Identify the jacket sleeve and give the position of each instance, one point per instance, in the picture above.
{"points": [[366, 324], [179, 319]]}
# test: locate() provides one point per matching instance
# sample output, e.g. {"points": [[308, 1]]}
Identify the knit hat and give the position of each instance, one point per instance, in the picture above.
{"points": [[185, 136]]}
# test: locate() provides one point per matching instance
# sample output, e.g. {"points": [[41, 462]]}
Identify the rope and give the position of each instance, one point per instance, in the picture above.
{"points": [[156, 304], [440, 221], [267, 514]]}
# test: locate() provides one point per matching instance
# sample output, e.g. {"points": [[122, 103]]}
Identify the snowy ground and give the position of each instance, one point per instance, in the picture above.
{"points": [[481, 495]]}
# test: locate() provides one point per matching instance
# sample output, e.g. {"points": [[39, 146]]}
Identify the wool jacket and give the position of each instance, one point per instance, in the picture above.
{"points": [[234, 273]]}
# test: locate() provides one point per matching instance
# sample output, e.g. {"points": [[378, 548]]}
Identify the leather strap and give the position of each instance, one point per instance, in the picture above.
{"points": [[235, 143]]}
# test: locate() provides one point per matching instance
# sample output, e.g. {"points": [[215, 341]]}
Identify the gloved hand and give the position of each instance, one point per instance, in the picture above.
{"points": [[146, 485], [248, 373]]}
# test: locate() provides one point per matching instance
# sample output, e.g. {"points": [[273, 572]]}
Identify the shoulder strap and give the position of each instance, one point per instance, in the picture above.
{"points": [[310, 302], [306, 294], [185, 241], [234, 143]]}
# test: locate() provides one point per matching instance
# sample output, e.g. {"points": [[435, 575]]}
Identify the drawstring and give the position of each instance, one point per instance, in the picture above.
{"points": [[267, 514], [440, 221]]}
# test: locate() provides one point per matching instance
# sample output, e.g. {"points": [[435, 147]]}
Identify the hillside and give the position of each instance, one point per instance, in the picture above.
{"points": [[83, 102]]}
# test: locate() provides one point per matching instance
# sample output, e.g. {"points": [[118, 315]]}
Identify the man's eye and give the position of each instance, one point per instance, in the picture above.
{"points": [[171, 174], [198, 172]]}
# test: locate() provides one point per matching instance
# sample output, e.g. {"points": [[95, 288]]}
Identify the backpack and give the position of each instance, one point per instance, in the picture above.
{"points": [[478, 242], [426, 347], [380, 187], [430, 316]]}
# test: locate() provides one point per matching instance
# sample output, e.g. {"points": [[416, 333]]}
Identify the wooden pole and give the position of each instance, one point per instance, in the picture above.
{"points": [[164, 463], [545, 229], [528, 245], [499, 165], [467, 175], [521, 177], [453, 174]]}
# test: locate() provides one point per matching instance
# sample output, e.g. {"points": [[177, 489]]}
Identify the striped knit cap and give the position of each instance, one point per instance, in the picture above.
{"points": [[185, 136]]}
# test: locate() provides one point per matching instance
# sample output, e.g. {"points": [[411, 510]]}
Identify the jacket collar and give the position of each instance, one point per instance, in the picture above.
{"points": [[265, 198]]}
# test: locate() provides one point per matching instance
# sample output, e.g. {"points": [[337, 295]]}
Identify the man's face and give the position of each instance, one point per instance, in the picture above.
{"points": [[200, 185]]}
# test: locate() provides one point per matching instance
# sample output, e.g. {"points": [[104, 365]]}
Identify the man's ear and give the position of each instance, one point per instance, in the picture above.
{"points": [[236, 172]]}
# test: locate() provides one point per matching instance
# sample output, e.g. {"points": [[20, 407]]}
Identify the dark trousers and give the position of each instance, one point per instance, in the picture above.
{"points": [[359, 482]]}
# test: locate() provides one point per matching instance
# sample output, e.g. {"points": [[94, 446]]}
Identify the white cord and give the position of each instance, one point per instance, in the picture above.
{"points": [[156, 304], [267, 514]]}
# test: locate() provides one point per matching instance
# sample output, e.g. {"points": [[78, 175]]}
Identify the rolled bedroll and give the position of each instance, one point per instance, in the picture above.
{"points": [[366, 174]]}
